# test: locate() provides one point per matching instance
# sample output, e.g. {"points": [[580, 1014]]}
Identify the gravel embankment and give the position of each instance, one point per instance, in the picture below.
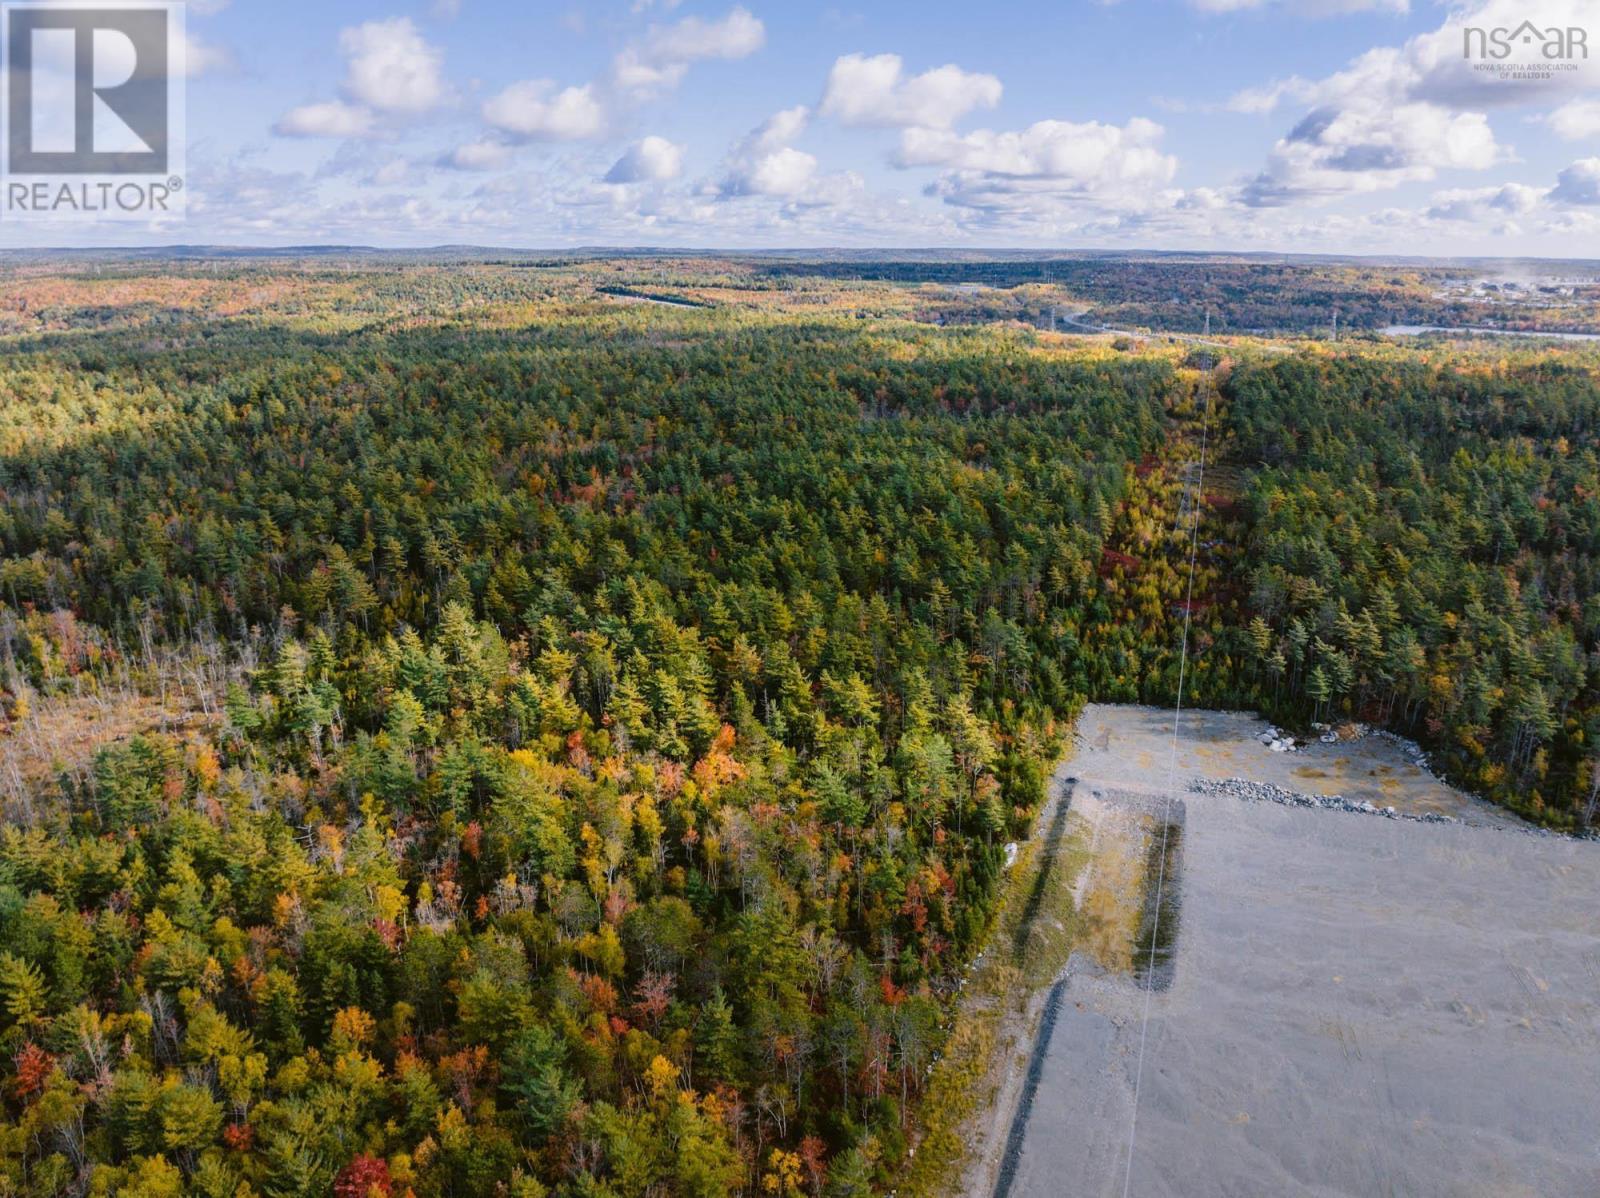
{"points": [[1266, 792]]}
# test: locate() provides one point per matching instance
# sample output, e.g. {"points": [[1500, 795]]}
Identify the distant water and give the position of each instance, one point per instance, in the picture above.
{"points": [[1416, 330]]}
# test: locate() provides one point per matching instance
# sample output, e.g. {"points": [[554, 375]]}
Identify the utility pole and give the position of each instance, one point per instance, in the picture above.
{"points": [[1336, 325]]}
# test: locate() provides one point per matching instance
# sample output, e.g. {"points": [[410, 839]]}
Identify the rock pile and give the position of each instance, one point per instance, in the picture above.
{"points": [[1279, 742], [1410, 748], [1266, 792]]}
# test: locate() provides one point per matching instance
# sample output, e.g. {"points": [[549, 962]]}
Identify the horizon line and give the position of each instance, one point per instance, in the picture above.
{"points": [[306, 248]]}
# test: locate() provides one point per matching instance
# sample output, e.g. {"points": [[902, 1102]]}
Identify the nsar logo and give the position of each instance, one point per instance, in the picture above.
{"points": [[1552, 43]]}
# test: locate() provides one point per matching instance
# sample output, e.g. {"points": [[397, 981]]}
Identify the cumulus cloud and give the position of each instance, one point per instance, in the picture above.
{"points": [[1266, 98], [1579, 184], [784, 172], [333, 118], [651, 160], [1400, 114], [1576, 120], [1367, 147], [390, 71], [660, 61], [1041, 171], [392, 68], [1092, 156], [484, 154], [777, 130], [1476, 203], [1432, 67], [765, 164], [874, 90], [534, 110], [736, 35], [195, 56], [542, 110], [1049, 170]]}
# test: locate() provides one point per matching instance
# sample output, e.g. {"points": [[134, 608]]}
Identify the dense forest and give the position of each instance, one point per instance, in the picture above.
{"points": [[1426, 549], [602, 722]]}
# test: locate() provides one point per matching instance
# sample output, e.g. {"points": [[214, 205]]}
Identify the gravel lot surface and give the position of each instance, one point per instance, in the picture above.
{"points": [[1357, 1005]]}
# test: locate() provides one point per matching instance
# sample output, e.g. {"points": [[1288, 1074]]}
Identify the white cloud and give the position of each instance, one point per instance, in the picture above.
{"points": [[873, 90], [1477, 203], [1090, 156], [779, 129], [841, 192], [785, 172], [1432, 67], [651, 160], [333, 118], [392, 68], [765, 164], [484, 154], [1067, 178], [633, 75], [1253, 100], [536, 111], [1369, 146], [1576, 120], [661, 60], [737, 35], [1575, 225], [1401, 114], [197, 57], [1579, 183]]}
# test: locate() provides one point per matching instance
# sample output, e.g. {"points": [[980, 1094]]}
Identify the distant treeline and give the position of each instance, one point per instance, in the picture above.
{"points": [[1176, 295]]}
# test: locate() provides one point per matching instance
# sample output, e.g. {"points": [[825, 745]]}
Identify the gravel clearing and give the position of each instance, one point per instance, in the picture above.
{"points": [[1406, 1005]]}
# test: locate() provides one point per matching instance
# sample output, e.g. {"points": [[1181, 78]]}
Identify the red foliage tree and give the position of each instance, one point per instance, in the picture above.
{"points": [[34, 1066], [364, 1177]]}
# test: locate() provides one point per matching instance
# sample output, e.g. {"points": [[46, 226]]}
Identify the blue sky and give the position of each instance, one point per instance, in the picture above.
{"points": [[1350, 126]]}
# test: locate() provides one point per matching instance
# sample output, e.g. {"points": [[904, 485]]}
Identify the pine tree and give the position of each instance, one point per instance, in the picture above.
{"points": [[534, 1078], [717, 1054]]}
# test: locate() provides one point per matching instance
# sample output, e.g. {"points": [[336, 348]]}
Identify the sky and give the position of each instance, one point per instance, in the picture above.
{"points": [[1312, 126]]}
